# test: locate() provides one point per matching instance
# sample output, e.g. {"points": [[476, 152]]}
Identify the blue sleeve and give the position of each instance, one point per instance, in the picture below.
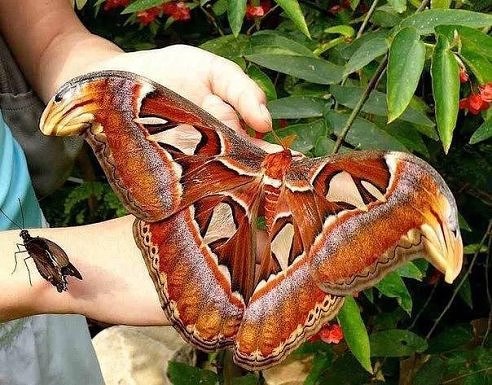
{"points": [[15, 184]]}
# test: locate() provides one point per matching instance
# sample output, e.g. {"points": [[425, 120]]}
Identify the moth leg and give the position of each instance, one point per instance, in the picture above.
{"points": [[28, 271], [15, 255]]}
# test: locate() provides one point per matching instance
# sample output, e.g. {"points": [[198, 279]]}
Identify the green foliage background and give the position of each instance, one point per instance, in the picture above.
{"points": [[316, 64]]}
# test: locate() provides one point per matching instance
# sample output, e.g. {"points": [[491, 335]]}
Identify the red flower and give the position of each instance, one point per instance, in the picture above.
{"points": [[148, 16], [177, 10], [486, 92], [253, 12], [112, 4], [342, 6], [330, 334], [463, 75], [474, 103]]}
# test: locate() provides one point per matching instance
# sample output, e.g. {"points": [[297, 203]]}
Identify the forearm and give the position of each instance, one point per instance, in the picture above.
{"points": [[49, 42], [116, 287]]}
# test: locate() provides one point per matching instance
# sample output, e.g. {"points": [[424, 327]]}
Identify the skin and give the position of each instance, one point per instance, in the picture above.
{"points": [[52, 46]]}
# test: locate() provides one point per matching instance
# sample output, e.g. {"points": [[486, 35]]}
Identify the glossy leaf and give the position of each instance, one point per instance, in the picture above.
{"points": [[296, 107], [398, 5], [363, 134], [263, 81], [483, 132], [365, 54], [311, 69], [425, 22], [355, 333], [272, 42], [228, 46], [294, 12], [410, 270], [393, 286], [465, 292], [405, 64], [345, 30], [235, 15], [376, 104], [396, 343], [183, 374], [446, 89], [478, 64]]}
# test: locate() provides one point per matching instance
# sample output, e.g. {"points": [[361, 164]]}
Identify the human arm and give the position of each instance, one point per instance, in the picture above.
{"points": [[116, 287], [52, 46]]}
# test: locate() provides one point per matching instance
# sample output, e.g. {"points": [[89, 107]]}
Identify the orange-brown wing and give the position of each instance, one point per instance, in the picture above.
{"points": [[160, 152], [202, 262], [371, 213]]}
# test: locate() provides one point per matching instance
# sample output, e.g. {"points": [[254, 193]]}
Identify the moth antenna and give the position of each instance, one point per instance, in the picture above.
{"points": [[278, 139], [10, 219], [22, 212]]}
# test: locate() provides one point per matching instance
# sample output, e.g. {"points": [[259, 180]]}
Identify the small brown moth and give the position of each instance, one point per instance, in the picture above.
{"points": [[50, 259]]}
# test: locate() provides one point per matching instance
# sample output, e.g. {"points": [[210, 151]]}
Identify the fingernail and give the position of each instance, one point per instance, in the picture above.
{"points": [[266, 115]]}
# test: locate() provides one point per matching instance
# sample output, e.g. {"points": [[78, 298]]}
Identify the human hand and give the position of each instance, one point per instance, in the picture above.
{"points": [[216, 84]]}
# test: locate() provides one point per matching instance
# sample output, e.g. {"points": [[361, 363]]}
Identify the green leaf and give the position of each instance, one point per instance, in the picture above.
{"points": [[294, 12], [408, 135], [425, 22], [365, 54], [272, 42], [345, 30], [296, 107], [320, 364], [307, 134], [263, 81], [405, 64], [311, 69], [431, 373], [440, 4], [483, 132], [355, 333], [479, 65], [220, 7], [140, 5], [396, 343], [474, 247], [452, 337], [398, 5], [376, 104], [446, 89], [229, 46], [183, 374], [393, 286], [235, 15], [409, 270], [364, 134]]}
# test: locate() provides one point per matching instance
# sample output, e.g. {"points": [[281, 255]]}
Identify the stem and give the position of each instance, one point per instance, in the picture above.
{"points": [[489, 295], [424, 306], [458, 287], [370, 87], [466, 375], [212, 19], [358, 107], [257, 23], [366, 19]]}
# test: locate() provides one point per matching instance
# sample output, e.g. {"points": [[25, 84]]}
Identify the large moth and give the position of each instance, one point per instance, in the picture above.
{"points": [[335, 225]]}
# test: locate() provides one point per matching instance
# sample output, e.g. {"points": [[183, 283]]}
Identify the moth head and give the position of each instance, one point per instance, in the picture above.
{"points": [[86, 101]]}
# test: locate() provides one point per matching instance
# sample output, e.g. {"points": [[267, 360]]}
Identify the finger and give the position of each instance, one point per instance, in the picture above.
{"points": [[222, 111], [230, 83]]}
